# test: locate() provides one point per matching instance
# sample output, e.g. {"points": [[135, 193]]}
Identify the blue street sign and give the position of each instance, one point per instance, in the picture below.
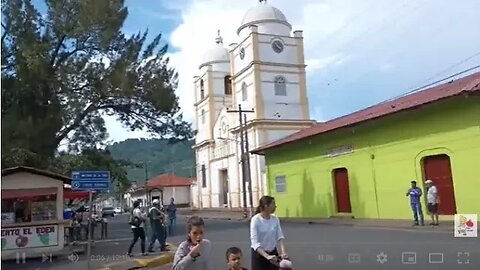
{"points": [[91, 180]]}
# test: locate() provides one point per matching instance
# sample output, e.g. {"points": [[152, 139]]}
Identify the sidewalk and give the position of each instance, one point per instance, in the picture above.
{"points": [[446, 223], [213, 213], [150, 261]]}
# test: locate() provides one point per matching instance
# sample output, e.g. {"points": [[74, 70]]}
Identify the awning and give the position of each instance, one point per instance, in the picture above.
{"points": [[25, 193], [72, 194], [34, 192]]}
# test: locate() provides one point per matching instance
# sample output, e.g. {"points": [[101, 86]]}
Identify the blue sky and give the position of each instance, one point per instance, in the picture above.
{"points": [[359, 52]]}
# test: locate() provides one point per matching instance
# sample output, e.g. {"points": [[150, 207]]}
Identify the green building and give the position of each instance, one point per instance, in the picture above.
{"points": [[362, 164]]}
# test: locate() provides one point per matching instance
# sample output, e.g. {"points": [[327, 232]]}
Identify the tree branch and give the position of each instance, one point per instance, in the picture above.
{"points": [[4, 33], [76, 123], [57, 49]]}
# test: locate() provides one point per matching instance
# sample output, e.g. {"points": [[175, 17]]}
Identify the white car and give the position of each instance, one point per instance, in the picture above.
{"points": [[117, 210]]}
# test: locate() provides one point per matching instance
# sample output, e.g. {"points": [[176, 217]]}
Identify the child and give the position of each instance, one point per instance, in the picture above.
{"points": [[194, 253], [234, 258]]}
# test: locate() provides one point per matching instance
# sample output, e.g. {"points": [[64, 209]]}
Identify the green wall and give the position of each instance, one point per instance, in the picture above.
{"points": [[387, 155]]}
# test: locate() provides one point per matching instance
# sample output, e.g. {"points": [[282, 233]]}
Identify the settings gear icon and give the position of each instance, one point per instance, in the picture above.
{"points": [[382, 258]]}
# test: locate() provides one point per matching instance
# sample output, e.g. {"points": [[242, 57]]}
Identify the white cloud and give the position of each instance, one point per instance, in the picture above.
{"points": [[329, 28], [356, 44]]}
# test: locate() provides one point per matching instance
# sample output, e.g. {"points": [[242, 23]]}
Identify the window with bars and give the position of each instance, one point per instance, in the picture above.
{"points": [[204, 176], [280, 86], [280, 184], [244, 92], [202, 89], [228, 85]]}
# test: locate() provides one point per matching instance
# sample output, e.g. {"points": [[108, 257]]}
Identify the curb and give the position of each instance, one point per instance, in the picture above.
{"points": [[136, 263], [372, 226], [218, 218]]}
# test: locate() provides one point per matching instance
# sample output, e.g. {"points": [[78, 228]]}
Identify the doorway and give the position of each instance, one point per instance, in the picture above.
{"points": [[224, 187], [342, 190], [438, 169]]}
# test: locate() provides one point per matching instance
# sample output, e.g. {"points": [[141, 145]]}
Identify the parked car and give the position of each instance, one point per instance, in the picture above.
{"points": [[108, 211], [117, 210]]}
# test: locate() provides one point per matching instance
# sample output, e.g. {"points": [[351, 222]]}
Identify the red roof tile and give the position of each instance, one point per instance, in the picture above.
{"points": [[467, 84], [169, 180]]}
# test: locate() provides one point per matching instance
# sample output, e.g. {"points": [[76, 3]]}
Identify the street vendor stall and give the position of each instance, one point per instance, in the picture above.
{"points": [[32, 212]]}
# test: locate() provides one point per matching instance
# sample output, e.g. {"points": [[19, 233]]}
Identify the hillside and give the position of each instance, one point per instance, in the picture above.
{"points": [[159, 156]]}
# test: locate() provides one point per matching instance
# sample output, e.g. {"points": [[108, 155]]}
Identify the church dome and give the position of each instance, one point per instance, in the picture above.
{"points": [[263, 13], [216, 54]]}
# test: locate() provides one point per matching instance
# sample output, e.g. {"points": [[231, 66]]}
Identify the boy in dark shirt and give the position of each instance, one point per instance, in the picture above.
{"points": [[234, 258]]}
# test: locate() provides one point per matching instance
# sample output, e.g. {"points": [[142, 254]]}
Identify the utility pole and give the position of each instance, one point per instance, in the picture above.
{"points": [[243, 158], [247, 159]]}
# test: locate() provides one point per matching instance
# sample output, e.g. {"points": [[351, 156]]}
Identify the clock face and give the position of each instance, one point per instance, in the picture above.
{"points": [[277, 46], [242, 53]]}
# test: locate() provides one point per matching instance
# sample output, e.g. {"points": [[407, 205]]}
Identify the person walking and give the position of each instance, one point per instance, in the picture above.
{"points": [[172, 217], [265, 236], [137, 222], [433, 201], [157, 220], [415, 194]]}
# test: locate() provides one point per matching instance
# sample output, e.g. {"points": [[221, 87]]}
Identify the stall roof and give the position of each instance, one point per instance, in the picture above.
{"points": [[13, 170]]}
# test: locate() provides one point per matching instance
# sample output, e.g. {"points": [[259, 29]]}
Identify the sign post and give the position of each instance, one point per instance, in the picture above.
{"points": [[90, 181]]}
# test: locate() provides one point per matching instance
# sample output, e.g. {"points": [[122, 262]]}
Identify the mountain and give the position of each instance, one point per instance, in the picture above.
{"points": [[159, 156]]}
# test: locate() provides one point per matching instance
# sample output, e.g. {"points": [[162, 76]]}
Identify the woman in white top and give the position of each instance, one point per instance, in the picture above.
{"points": [[137, 223], [265, 236]]}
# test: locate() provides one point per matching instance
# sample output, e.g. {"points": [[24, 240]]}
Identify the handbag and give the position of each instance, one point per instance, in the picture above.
{"points": [[134, 220]]}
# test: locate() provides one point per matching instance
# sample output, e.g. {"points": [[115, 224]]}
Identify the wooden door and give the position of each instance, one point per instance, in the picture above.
{"points": [[437, 168], [224, 187], [342, 190]]}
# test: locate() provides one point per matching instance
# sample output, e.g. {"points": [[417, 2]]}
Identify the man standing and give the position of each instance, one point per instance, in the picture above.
{"points": [[172, 217], [415, 193], [157, 219], [432, 200]]}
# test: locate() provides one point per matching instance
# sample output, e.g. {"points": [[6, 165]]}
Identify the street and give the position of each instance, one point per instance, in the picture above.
{"points": [[310, 246]]}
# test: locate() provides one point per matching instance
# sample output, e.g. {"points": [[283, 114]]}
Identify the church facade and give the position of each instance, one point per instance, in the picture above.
{"points": [[263, 73]]}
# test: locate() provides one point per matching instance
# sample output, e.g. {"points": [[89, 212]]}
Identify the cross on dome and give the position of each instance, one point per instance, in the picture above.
{"points": [[219, 39]]}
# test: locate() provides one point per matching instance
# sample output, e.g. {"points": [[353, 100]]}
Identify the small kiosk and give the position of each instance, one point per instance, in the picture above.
{"points": [[32, 213]]}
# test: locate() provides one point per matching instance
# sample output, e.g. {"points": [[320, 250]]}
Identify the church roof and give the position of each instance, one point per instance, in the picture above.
{"points": [[263, 12], [216, 54]]}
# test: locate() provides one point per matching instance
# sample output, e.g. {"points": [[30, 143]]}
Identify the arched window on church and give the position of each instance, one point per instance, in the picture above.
{"points": [[203, 116], [280, 86], [244, 91], [202, 89], [228, 85]]}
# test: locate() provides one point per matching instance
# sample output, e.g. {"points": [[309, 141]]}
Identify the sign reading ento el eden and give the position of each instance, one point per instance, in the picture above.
{"points": [[29, 237]]}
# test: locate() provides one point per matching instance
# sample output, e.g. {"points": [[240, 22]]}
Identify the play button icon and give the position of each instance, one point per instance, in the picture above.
{"points": [[46, 258]]}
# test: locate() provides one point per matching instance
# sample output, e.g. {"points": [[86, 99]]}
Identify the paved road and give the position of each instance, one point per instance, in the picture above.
{"points": [[311, 246]]}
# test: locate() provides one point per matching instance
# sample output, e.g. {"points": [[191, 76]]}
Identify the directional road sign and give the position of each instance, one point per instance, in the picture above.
{"points": [[91, 180]]}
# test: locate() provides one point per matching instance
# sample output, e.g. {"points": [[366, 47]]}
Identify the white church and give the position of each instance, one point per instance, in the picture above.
{"points": [[263, 72]]}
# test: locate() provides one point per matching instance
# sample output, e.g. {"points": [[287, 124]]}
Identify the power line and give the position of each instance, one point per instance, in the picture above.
{"points": [[450, 67], [433, 83]]}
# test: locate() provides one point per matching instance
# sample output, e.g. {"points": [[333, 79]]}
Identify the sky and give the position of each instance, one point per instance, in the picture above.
{"points": [[358, 53]]}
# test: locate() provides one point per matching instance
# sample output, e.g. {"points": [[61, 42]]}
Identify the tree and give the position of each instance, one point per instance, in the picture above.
{"points": [[61, 71]]}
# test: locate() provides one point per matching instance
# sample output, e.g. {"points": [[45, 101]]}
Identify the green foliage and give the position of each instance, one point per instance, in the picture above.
{"points": [[65, 164], [159, 156], [63, 70]]}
